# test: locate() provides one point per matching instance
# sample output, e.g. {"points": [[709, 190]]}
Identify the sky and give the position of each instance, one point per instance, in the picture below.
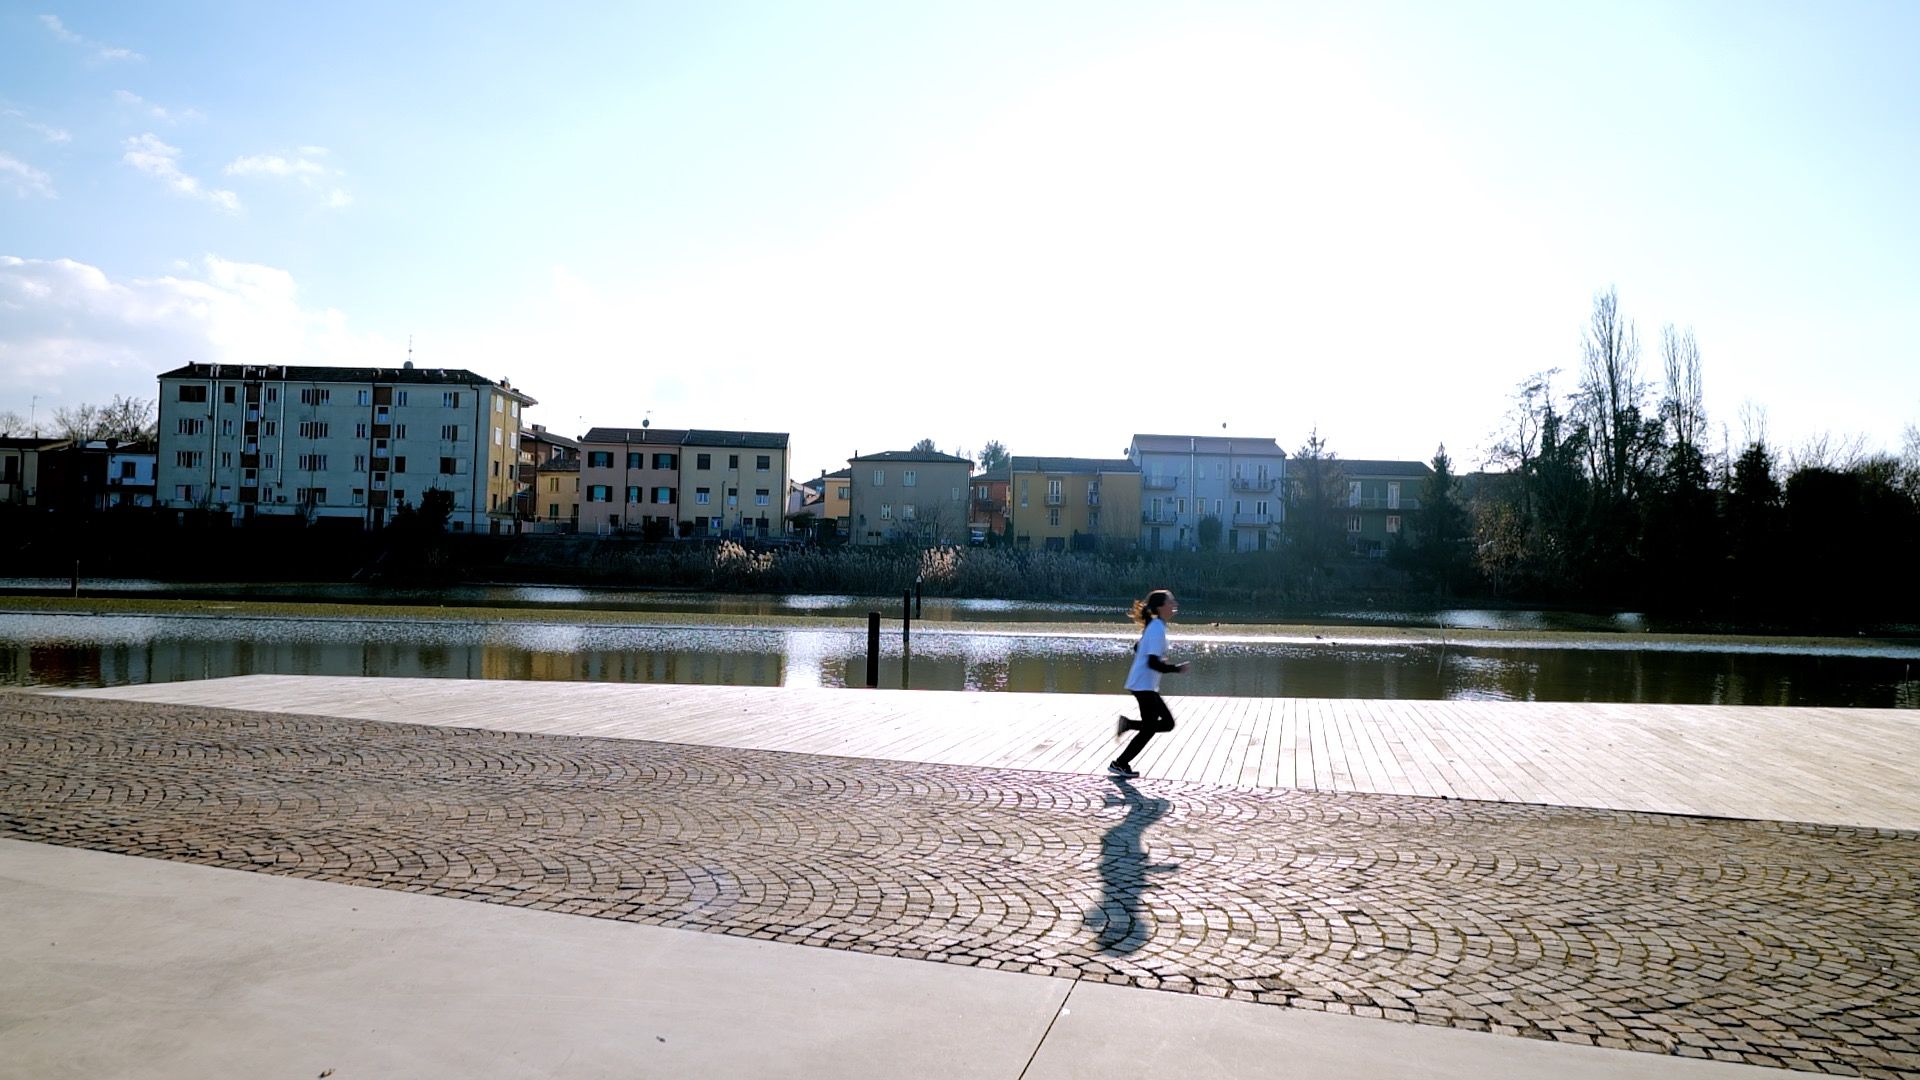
{"points": [[1048, 224]]}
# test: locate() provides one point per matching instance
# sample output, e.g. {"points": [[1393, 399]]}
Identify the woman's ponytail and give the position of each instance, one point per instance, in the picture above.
{"points": [[1145, 611]]}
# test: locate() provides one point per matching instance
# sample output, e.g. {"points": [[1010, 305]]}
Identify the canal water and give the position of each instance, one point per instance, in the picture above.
{"points": [[109, 650]]}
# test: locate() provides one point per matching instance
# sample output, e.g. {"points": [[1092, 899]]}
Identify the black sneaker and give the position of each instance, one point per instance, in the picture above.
{"points": [[1123, 725], [1117, 769]]}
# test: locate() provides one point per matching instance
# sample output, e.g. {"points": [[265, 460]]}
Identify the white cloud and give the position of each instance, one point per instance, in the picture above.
{"points": [[25, 180], [155, 158], [303, 165], [157, 111], [69, 333], [100, 50], [45, 131]]}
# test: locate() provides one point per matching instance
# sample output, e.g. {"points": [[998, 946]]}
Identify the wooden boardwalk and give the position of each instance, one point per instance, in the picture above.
{"points": [[1833, 766]]}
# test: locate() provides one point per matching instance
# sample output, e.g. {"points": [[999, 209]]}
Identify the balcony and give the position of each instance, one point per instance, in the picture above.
{"points": [[1252, 519], [1255, 483], [1381, 503], [1159, 483], [1158, 517], [1093, 499], [987, 506], [1056, 499]]}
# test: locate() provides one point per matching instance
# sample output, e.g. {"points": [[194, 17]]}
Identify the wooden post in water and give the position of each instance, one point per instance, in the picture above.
{"points": [[917, 611], [906, 617], [873, 649], [76, 578]]}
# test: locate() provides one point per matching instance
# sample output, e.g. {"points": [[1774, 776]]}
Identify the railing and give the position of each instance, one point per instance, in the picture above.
{"points": [[1241, 483], [1159, 517], [986, 504], [1378, 502], [1055, 500], [1253, 519], [1093, 500], [1159, 483]]}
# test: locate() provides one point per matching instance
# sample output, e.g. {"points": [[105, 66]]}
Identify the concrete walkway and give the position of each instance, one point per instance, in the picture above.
{"points": [[123, 967]]}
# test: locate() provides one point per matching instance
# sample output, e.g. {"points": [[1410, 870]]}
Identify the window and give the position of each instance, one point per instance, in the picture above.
{"points": [[1353, 496], [907, 511], [599, 493], [760, 497], [360, 430], [662, 496], [733, 461], [310, 496], [399, 398], [183, 492], [226, 459], [600, 459], [666, 461], [192, 427], [227, 395], [1023, 491], [513, 409], [908, 478], [363, 397], [1093, 493], [312, 462], [499, 403], [845, 491], [316, 395], [956, 494], [273, 394], [1260, 508], [400, 463], [1393, 523], [270, 429], [399, 431], [703, 461], [450, 399], [879, 478], [381, 414], [1353, 523], [314, 429], [449, 432], [702, 496], [1053, 517], [449, 466], [496, 437], [553, 511], [886, 511], [186, 459], [496, 469], [266, 461], [1216, 507], [733, 496], [1053, 492], [1093, 519], [762, 463], [192, 393], [359, 463], [1180, 506], [633, 495], [1393, 497], [359, 496]]}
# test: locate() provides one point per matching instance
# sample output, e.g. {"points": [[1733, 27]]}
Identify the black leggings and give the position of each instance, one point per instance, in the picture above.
{"points": [[1155, 717]]}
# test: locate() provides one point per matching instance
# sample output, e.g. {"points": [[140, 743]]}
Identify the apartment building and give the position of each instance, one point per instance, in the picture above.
{"points": [[338, 446], [909, 496], [1381, 495], [1077, 504], [630, 480], [1186, 479], [22, 461], [734, 483], [987, 507]]}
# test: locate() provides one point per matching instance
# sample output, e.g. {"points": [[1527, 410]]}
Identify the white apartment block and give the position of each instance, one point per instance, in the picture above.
{"points": [[1185, 479], [338, 445]]}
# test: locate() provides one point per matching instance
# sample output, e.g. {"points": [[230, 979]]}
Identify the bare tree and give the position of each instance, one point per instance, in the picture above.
{"points": [[13, 425], [1611, 393], [1910, 462], [1840, 453], [1684, 408], [128, 419], [80, 423]]}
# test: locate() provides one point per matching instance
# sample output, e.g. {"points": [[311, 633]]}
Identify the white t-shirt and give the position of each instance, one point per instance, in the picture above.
{"points": [[1153, 642]]}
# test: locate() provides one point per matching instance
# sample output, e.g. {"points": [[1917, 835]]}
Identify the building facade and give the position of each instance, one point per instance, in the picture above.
{"points": [[908, 497], [1381, 497], [1076, 504], [735, 484], [630, 480], [987, 506], [1187, 479], [338, 446], [22, 462]]}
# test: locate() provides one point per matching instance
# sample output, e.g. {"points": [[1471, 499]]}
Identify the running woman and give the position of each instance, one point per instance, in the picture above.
{"points": [[1149, 663]]}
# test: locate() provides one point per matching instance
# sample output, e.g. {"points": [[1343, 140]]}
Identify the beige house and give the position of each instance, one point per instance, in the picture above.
{"points": [[630, 480], [20, 472], [908, 497], [733, 483]]}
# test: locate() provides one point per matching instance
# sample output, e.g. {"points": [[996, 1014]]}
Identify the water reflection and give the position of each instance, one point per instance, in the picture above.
{"points": [[94, 650]]}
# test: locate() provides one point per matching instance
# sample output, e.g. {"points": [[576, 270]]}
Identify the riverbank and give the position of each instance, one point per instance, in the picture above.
{"points": [[1196, 631]]}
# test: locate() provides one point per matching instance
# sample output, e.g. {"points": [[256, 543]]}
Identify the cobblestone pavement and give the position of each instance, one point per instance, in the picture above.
{"points": [[1764, 942]]}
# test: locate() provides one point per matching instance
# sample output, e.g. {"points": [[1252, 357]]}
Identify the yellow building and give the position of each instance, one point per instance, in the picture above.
{"points": [[1077, 504], [733, 483], [556, 493]]}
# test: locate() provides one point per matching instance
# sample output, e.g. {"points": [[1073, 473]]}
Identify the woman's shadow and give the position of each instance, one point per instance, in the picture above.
{"points": [[1120, 926]]}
